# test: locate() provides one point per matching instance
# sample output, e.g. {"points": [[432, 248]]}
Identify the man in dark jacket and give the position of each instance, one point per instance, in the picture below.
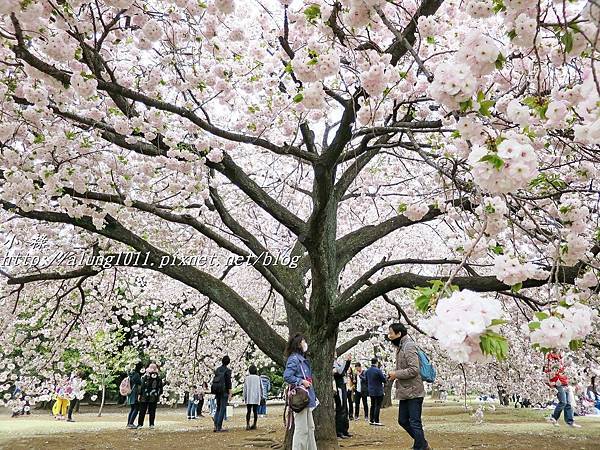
{"points": [[221, 387], [342, 423], [409, 385], [375, 382]]}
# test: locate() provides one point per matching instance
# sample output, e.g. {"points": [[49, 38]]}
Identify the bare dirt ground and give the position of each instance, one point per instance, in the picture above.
{"points": [[448, 427]]}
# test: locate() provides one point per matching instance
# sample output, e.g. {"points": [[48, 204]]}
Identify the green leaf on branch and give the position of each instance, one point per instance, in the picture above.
{"points": [[534, 325], [298, 98], [498, 322], [538, 104], [312, 13], [516, 287], [497, 249], [494, 160], [430, 40], [575, 344], [466, 105], [567, 40], [548, 182], [500, 61], [540, 315], [39, 138], [498, 6], [494, 344], [422, 302], [402, 207], [511, 34], [484, 105]]}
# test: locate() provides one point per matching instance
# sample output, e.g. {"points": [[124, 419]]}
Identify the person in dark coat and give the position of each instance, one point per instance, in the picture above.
{"points": [[150, 392], [342, 423], [135, 381], [224, 394], [376, 381]]}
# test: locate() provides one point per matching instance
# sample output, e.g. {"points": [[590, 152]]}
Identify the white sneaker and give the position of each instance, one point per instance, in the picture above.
{"points": [[552, 420], [574, 425]]}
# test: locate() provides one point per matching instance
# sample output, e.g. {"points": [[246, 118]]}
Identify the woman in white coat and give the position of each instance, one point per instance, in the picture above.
{"points": [[252, 395]]}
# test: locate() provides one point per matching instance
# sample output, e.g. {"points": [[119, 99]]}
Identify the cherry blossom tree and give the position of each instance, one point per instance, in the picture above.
{"points": [[326, 152]]}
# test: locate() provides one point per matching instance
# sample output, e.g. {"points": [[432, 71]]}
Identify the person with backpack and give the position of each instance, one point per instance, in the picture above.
{"points": [[265, 383], [375, 387], [130, 389], [221, 387], [252, 394], [298, 375], [150, 392], [409, 385]]}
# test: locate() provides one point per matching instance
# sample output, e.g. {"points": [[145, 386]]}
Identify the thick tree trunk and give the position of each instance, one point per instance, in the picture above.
{"points": [[322, 356], [387, 394]]}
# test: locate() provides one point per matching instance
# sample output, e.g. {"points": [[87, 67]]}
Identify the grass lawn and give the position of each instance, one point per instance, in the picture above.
{"points": [[447, 427]]}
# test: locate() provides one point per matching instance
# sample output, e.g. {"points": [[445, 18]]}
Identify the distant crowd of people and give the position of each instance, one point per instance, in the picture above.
{"points": [[358, 391], [143, 394]]}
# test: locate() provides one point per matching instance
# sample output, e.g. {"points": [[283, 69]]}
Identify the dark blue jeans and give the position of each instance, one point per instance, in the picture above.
{"points": [[409, 418], [221, 410], [563, 404], [132, 413], [191, 408]]}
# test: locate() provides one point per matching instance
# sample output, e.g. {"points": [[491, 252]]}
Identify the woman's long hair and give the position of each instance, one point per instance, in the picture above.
{"points": [[293, 345]]}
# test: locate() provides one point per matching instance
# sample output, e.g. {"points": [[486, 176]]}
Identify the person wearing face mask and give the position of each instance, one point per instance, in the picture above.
{"points": [[150, 392], [409, 385], [299, 373]]}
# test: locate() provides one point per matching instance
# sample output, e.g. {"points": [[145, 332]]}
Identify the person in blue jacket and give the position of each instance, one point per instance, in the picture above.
{"points": [[376, 381], [299, 373], [265, 382]]}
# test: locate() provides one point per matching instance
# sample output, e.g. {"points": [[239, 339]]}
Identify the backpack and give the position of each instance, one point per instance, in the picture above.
{"points": [[218, 383], [125, 387], [428, 372]]}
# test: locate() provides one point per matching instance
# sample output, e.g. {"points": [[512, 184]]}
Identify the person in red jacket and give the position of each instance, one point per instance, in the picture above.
{"points": [[557, 378]]}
